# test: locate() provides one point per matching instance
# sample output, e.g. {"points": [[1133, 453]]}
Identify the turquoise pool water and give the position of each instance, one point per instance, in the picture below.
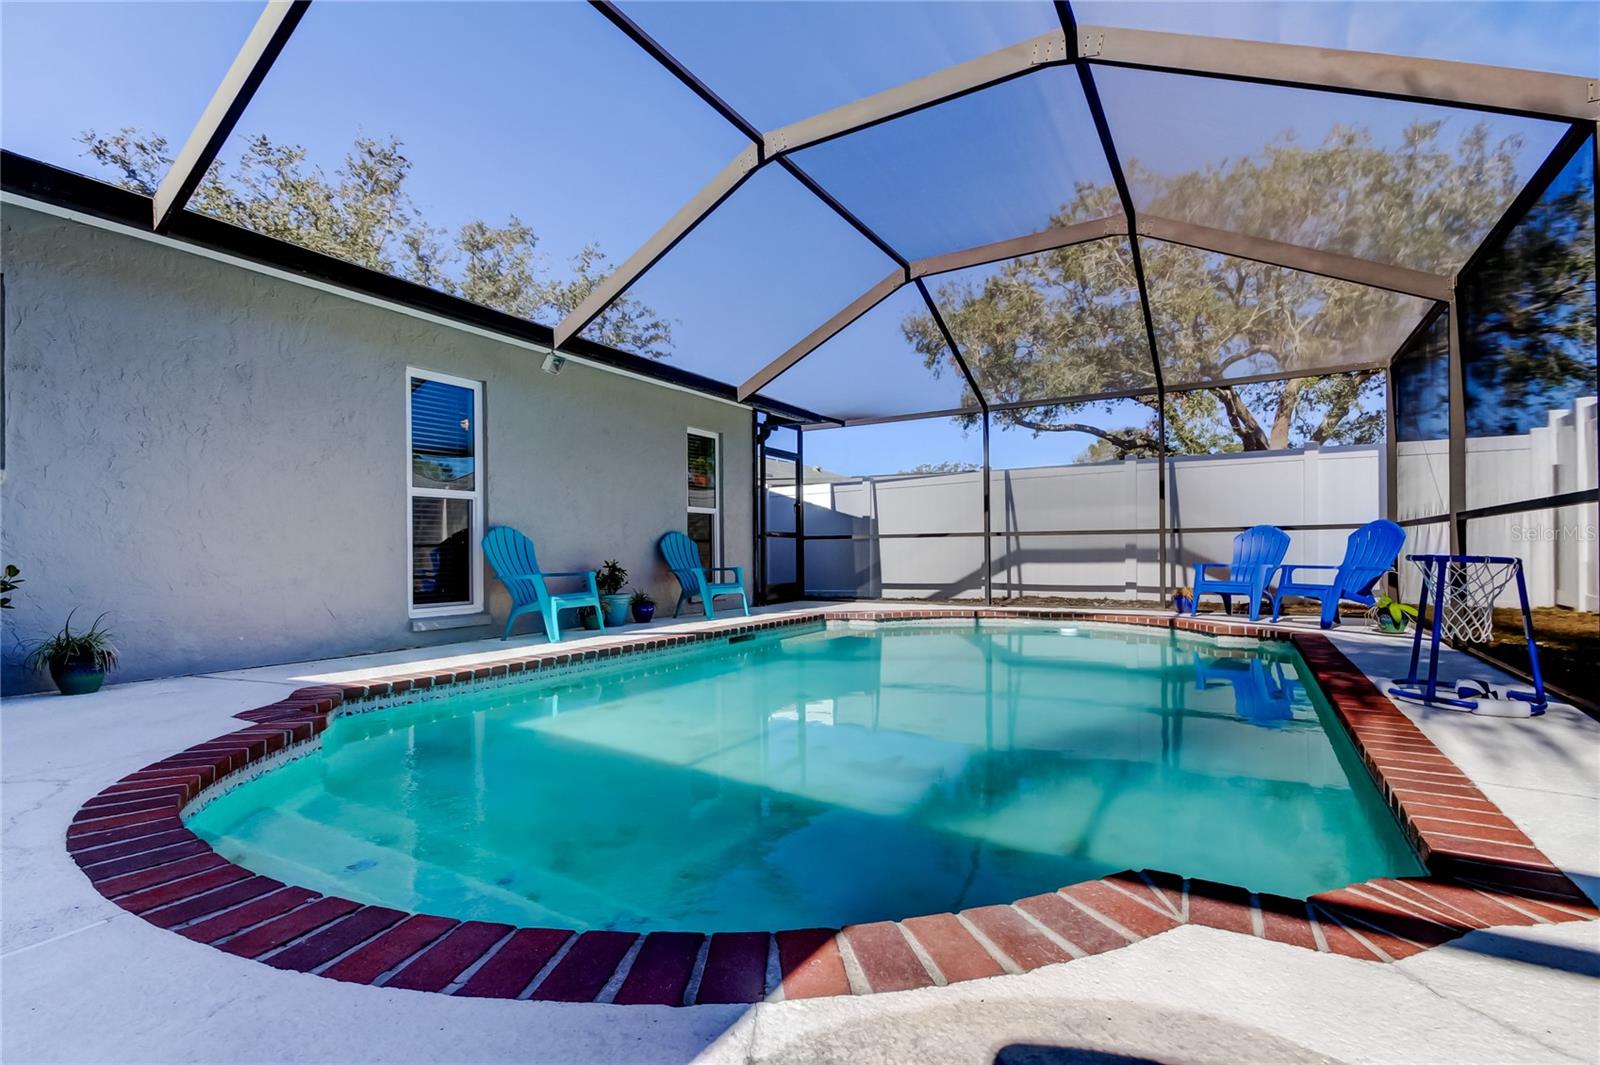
{"points": [[827, 777]]}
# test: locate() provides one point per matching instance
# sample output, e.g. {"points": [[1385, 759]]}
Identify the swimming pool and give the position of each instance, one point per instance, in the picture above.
{"points": [[827, 776]]}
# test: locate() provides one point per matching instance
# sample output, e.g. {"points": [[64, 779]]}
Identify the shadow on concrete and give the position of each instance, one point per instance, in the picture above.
{"points": [[1041, 1054], [1493, 944]]}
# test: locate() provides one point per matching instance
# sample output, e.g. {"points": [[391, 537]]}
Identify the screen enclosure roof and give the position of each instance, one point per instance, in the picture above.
{"points": [[839, 212]]}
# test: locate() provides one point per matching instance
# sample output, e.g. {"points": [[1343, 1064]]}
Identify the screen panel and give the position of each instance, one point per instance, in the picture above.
{"points": [[1560, 553], [112, 90], [1555, 36], [409, 138], [1295, 454], [1528, 349], [765, 269], [780, 61], [948, 568], [1059, 323], [1008, 161], [1075, 498], [1396, 182], [777, 515], [1421, 439], [1219, 317], [892, 360], [880, 485]]}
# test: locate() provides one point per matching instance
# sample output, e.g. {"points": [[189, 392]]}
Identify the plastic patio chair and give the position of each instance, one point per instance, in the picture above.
{"points": [[1257, 553], [683, 558], [512, 556], [1368, 555]]}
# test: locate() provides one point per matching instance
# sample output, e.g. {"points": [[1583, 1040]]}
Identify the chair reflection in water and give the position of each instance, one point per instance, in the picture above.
{"points": [[1263, 693]]}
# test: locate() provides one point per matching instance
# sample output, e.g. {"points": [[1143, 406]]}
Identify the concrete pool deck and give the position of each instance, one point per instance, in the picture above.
{"points": [[85, 981]]}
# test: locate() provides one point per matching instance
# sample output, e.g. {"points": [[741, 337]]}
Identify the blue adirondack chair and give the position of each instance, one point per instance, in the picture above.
{"points": [[1261, 694], [511, 554], [1256, 554], [1369, 554], [683, 557]]}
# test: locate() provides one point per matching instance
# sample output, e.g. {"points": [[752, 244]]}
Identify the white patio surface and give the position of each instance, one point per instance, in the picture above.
{"points": [[83, 981]]}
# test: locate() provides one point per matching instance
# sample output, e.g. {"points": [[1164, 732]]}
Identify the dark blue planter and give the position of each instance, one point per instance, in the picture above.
{"points": [[77, 678], [643, 612], [1182, 604]]}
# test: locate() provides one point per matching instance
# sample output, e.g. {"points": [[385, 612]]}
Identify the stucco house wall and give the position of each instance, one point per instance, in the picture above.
{"points": [[217, 457]]}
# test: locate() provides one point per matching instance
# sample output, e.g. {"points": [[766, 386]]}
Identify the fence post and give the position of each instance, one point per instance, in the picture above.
{"points": [[1132, 579]]}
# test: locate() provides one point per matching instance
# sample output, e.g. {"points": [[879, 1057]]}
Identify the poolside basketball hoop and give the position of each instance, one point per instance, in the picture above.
{"points": [[1463, 590]]}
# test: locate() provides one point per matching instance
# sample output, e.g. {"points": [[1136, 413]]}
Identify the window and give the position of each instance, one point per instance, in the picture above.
{"points": [[705, 496], [445, 486]]}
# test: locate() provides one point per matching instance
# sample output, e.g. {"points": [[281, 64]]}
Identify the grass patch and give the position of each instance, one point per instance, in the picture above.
{"points": [[1569, 648]]}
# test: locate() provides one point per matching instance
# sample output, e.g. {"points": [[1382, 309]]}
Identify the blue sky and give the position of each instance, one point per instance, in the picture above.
{"points": [[545, 110]]}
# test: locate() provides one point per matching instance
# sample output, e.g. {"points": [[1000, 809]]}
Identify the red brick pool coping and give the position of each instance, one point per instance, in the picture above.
{"points": [[134, 847]]}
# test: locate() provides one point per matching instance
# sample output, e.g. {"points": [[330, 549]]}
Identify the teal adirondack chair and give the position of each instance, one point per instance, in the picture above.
{"points": [[511, 554], [683, 557], [1368, 554]]}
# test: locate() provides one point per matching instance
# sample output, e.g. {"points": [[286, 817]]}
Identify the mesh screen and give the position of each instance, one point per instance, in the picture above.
{"points": [[985, 167], [1421, 438], [1560, 553], [1297, 454], [1528, 348], [408, 138], [1218, 317], [1393, 181], [1059, 323], [146, 70], [778, 62], [875, 485], [889, 361], [765, 269], [1074, 497], [1549, 36]]}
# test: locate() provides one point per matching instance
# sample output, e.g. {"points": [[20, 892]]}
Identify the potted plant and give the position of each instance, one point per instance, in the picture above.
{"points": [[644, 608], [1393, 616], [76, 661], [1183, 600], [610, 579]]}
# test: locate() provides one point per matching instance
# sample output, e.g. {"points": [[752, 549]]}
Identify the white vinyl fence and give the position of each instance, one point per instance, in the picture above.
{"points": [[1091, 530]]}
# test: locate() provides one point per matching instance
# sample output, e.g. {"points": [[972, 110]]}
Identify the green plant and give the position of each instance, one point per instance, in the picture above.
{"points": [[639, 598], [8, 583], [67, 648], [611, 577], [1398, 613]]}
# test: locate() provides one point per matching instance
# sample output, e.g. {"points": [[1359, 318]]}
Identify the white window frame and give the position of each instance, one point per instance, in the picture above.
{"points": [[476, 497], [716, 511]]}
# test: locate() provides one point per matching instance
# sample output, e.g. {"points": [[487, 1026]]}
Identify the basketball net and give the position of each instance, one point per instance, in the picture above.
{"points": [[1466, 602]]}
